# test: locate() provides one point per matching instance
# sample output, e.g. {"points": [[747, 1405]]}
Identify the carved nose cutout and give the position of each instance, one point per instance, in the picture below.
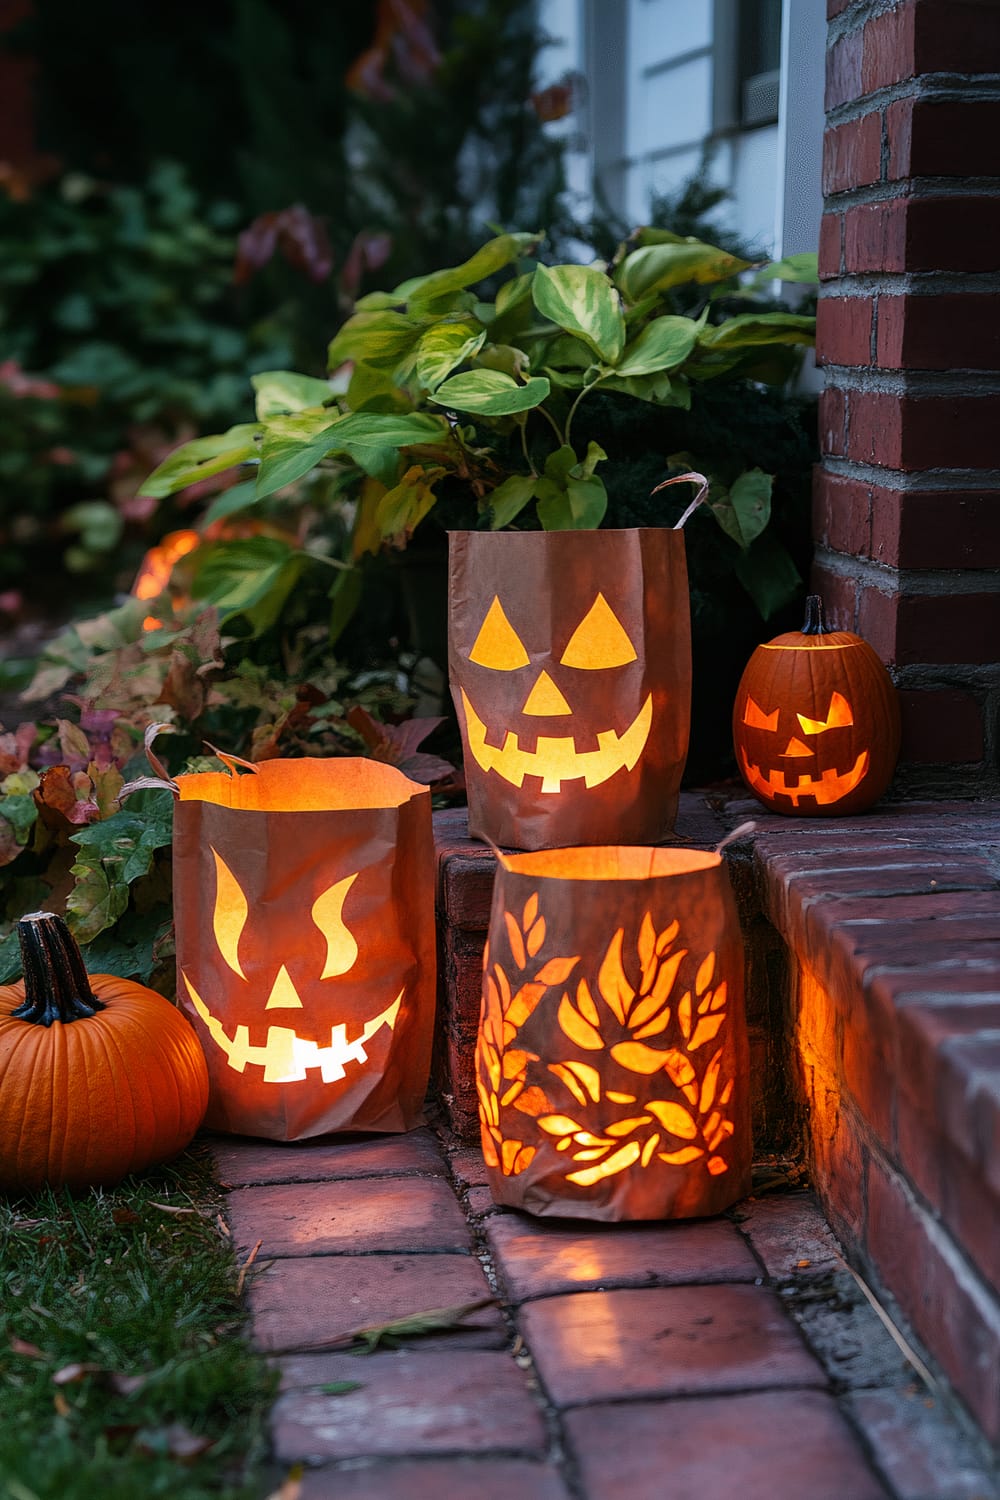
{"points": [[545, 698], [796, 747], [283, 993]]}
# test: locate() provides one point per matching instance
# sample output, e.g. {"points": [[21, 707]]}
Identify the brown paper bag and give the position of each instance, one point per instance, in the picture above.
{"points": [[570, 664], [304, 912], [612, 1061]]}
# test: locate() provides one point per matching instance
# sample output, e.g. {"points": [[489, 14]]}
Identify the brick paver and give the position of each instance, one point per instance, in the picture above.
{"points": [[329, 1218], [787, 1445], [243, 1163], [665, 1341], [535, 1260], [304, 1299], [411, 1401], [437, 1479]]}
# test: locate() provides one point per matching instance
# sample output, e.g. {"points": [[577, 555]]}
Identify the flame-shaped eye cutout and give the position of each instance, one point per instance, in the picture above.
{"points": [[756, 718], [498, 644], [838, 717], [600, 640], [230, 914], [341, 949]]}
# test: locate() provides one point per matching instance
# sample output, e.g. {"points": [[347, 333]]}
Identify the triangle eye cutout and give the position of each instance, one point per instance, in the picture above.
{"points": [[498, 644], [838, 716], [755, 717], [599, 640]]}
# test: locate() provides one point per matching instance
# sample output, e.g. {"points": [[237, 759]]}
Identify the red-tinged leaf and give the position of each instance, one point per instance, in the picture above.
{"points": [[426, 769], [304, 242], [65, 797], [75, 1373], [15, 748], [411, 733], [554, 102], [73, 744], [26, 1350], [255, 247], [122, 1216]]}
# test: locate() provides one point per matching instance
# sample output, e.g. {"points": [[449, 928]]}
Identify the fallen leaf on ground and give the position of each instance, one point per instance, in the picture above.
{"points": [[29, 1351], [433, 1320], [74, 1373]]}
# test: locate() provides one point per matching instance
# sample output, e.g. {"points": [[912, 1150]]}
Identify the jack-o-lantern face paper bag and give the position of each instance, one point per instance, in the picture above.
{"points": [[304, 911], [570, 664], [612, 1056]]}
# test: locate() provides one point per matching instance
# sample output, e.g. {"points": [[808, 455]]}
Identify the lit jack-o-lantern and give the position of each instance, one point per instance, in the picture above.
{"points": [[612, 1058], [816, 722], [303, 898], [569, 659]]}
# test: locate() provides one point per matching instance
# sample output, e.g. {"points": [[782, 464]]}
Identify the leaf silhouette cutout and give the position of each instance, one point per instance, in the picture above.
{"points": [[514, 1062], [707, 1028], [681, 1157], [681, 1073], [611, 980], [557, 1124], [503, 984], [557, 970], [666, 938], [727, 1092], [614, 1164], [532, 1102], [536, 937], [638, 1058], [709, 1082], [626, 1127], [530, 911], [719, 997], [524, 1002], [664, 982], [515, 1156], [648, 1149], [674, 1118], [684, 1015], [715, 1165], [589, 1078], [619, 1098], [577, 1029], [646, 947], [570, 1081], [705, 971], [585, 1003], [515, 940], [509, 1097], [655, 1027], [725, 1129]]}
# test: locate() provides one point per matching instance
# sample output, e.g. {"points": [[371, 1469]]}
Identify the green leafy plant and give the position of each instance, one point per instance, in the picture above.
{"points": [[443, 380]]}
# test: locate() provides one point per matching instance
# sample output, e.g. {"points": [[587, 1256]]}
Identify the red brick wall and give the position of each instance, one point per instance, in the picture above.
{"points": [[907, 499]]}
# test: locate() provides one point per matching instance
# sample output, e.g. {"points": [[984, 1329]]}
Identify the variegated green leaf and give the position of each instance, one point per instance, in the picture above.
{"points": [[202, 458], [377, 338], [444, 346], [285, 391], [508, 499], [751, 330], [487, 260], [656, 268], [662, 345], [490, 393], [582, 301]]}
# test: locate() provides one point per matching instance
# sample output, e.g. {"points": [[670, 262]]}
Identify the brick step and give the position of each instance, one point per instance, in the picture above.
{"points": [[873, 1004]]}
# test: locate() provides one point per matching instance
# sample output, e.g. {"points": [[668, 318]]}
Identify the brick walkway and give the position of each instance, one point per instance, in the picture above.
{"points": [[681, 1361]]}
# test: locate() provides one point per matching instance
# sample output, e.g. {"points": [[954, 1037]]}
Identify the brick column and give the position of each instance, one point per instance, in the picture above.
{"points": [[907, 500]]}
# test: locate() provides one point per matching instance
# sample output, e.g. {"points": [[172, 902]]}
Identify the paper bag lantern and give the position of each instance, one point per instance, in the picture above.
{"points": [[304, 910], [612, 1059], [816, 723], [570, 664]]}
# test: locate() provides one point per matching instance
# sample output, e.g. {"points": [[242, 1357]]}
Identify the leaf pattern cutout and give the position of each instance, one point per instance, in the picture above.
{"points": [[627, 1016]]}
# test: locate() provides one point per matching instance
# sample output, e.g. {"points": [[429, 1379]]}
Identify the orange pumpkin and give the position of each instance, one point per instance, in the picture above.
{"points": [[816, 721], [99, 1076]]}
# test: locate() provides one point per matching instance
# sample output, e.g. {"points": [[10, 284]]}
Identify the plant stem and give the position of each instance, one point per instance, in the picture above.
{"points": [[552, 423], [523, 424], [572, 411]]}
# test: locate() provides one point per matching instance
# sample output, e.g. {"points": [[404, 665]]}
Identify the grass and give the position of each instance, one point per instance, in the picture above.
{"points": [[123, 1367]]}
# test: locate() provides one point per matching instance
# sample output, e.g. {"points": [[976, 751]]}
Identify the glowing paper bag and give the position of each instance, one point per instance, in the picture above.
{"points": [[612, 1059], [304, 912], [570, 664]]}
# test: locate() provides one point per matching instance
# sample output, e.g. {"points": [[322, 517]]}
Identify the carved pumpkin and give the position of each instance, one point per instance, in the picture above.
{"points": [[303, 897], [816, 721], [569, 659], [612, 1058], [99, 1076]]}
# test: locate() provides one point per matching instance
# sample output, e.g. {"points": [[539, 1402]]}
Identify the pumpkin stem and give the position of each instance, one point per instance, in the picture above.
{"points": [[56, 983], [814, 623]]}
